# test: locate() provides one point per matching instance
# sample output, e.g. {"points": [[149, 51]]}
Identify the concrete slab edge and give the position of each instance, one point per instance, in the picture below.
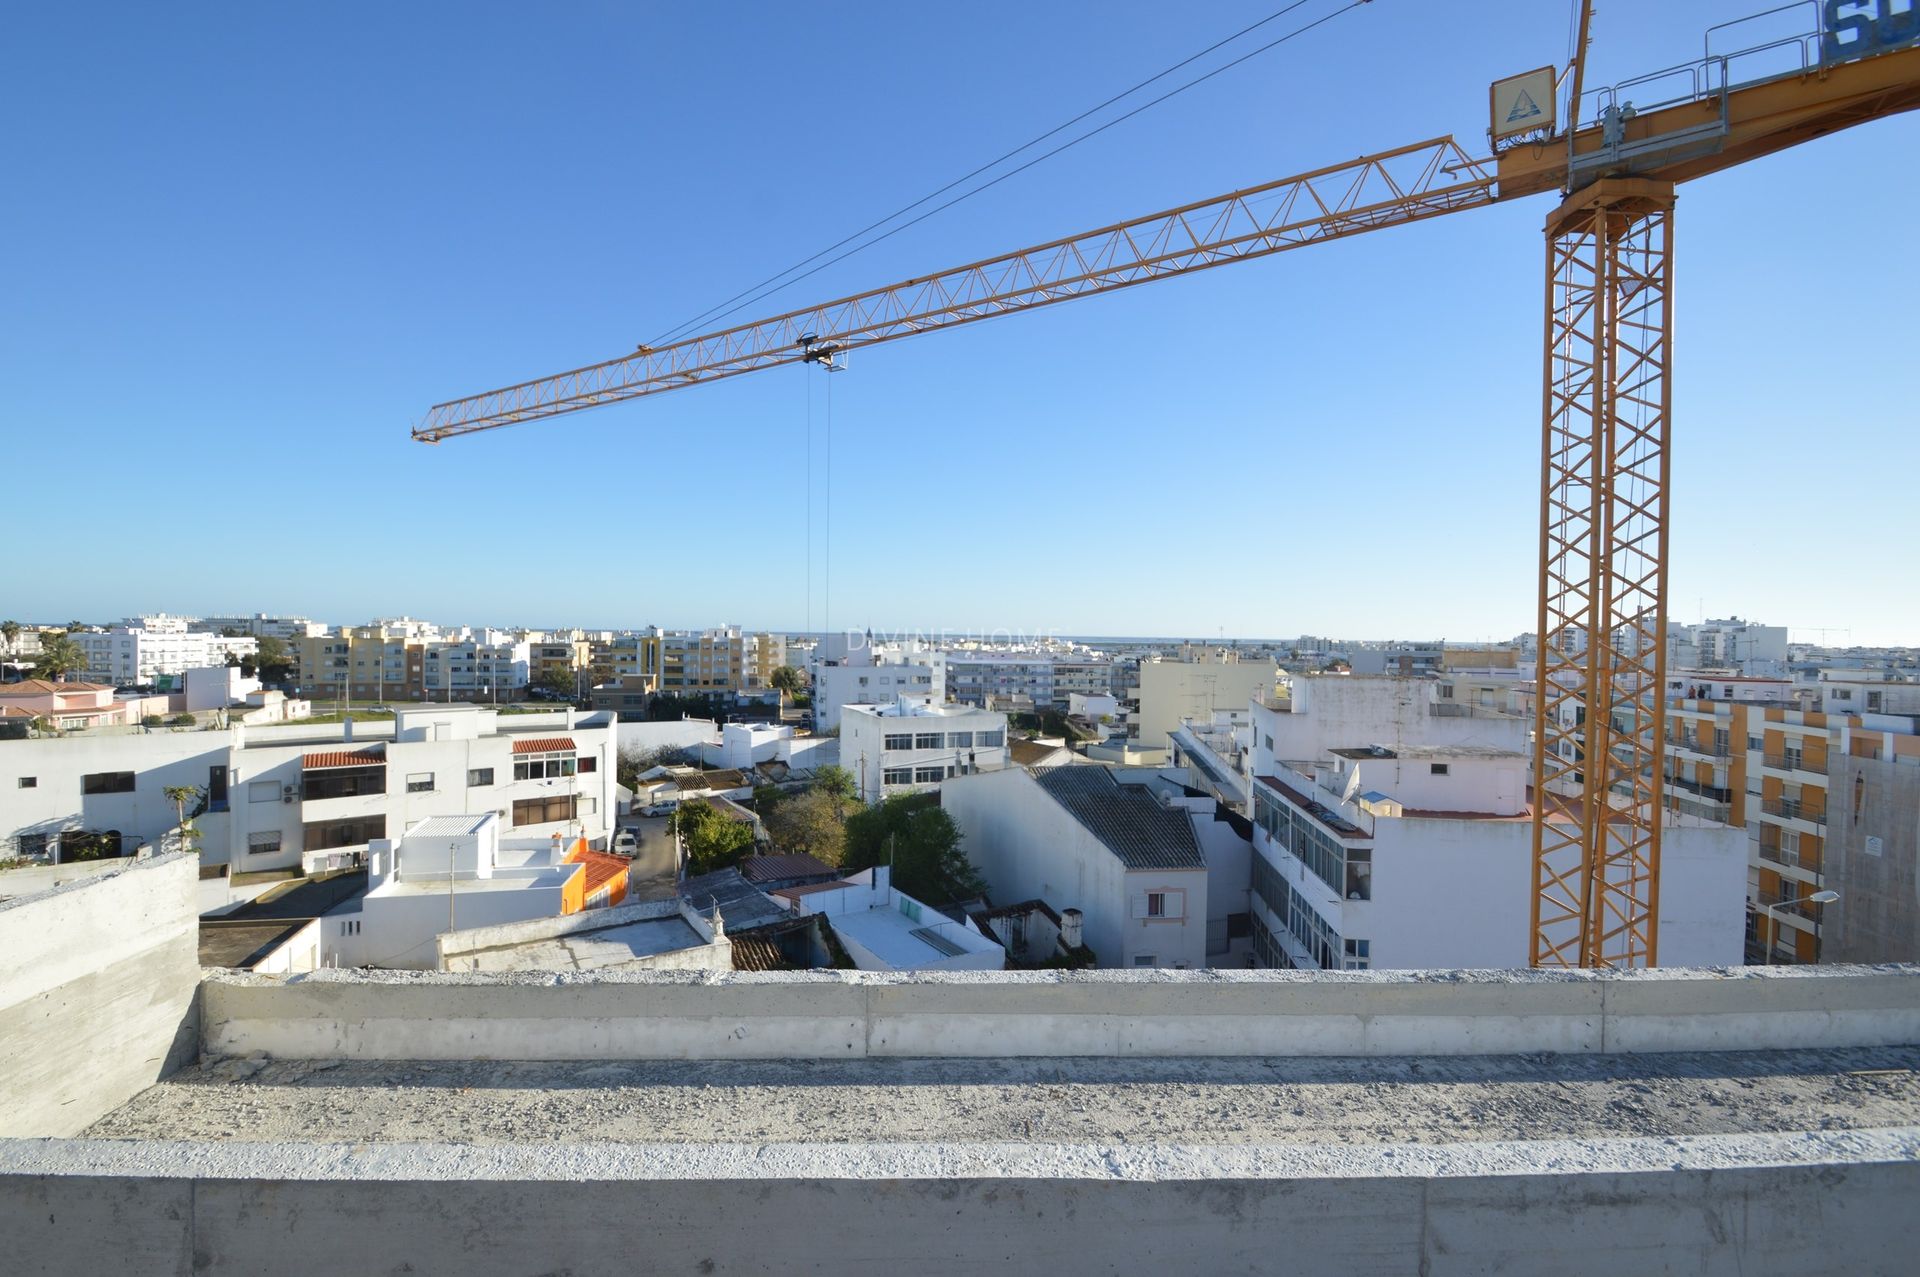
{"points": [[577, 1163]]}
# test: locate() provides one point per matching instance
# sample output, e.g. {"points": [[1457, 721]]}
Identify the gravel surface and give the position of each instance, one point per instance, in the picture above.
{"points": [[1197, 1101]]}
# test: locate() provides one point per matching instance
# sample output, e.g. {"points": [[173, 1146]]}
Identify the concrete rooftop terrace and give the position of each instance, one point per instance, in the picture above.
{"points": [[159, 1118]]}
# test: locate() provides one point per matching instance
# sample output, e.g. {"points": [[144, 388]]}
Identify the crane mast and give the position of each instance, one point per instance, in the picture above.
{"points": [[1599, 730]]}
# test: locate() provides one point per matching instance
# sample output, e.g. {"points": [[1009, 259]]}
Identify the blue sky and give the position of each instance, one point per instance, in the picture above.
{"points": [[248, 245]]}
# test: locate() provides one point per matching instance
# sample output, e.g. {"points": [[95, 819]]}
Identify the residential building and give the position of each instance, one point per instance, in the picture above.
{"points": [[307, 796], [887, 930], [1396, 658], [1747, 751], [446, 874], [1104, 842], [1392, 833], [472, 669], [656, 935], [1871, 852], [627, 658], [627, 696], [875, 676], [260, 625], [723, 659], [1047, 679], [379, 662], [917, 743], [150, 650], [1732, 643], [65, 705], [1173, 691]]}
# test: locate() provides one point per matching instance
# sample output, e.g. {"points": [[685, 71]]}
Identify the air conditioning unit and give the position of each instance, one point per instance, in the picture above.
{"points": [[288, 793]]}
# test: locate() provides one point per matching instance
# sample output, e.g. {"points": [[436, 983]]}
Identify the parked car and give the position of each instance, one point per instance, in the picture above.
{"points": [[626, 844], [665, 807]]}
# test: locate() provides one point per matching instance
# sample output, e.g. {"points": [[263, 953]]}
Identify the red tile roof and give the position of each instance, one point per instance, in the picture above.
{"points": [[545, 745], [602, 869], [344, 758], [41, 686], [757, 953]]}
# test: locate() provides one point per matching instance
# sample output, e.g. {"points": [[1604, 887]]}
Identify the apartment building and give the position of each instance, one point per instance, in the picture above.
{"points": [[376, 662], [630, 658], [472, 669], [1744, 751], [306, 796], [875, 675], [724, 659], [260, 625], [1173, 691], [1391, 833], [151, 650], [1047, 680], [917, 742]]}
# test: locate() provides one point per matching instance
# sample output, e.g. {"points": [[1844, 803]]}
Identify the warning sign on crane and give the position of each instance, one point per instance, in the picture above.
{"points": [[1523, 104]]}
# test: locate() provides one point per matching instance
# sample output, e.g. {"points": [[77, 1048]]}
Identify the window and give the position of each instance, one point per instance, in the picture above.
{"points": [[1144, 959], [1156, 904], [897, 776], [1358, 954], [324, 835], [29, 782], [960, 740], [107, 783], [420, 783], [929, 775], [265, 843], [1438, 769], [544, 768], [350, 926], [477, 776], [263, 791], [343, 782], [991, 740], [217, 787], [898, 742], [589, 764], [1269, 742], [929, 740], [542, 811]]}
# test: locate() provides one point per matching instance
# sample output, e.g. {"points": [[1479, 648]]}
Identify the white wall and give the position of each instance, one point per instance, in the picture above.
{"points": [[1173, 690], [1027, 846]]}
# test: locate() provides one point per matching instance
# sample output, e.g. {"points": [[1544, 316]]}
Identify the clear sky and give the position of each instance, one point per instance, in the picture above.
{"points": [[246, 246]]}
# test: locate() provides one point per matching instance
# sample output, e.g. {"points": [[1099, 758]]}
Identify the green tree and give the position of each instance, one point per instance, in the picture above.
{"points": [[559, 681], [712, 841], [59, 656], [11, 631], [272, 660], [814, 823], [837, 781], [922, 843], [790, 680]]}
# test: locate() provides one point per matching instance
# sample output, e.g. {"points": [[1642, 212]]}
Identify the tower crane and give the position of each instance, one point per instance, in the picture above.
{"points": [[1599, 722]]}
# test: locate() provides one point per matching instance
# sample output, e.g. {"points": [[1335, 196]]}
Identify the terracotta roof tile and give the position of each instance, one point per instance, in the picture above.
{"points": [[757, 953], [545, 745], [808, 889], [603, 869], [370, 757]]}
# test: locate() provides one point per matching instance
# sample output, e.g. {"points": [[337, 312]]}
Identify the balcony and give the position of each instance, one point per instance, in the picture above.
{"points": [[1713, 793], [1793, 763], [1703, 749], [1789, 809], [1464, 709]]}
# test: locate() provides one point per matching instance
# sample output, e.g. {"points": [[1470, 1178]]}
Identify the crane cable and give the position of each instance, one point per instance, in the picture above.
{"points": [[761, 291]]}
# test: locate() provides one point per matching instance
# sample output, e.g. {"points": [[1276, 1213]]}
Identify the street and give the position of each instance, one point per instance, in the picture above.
{"points": [[652, 876]]}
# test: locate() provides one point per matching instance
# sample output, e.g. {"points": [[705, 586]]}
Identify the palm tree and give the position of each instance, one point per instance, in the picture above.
{"points": [[180, 796], [59, 657], [10, 629]]}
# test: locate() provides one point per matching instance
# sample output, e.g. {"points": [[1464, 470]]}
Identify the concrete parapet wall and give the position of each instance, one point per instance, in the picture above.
{"points": [[837, 1015], [97, 992], [1810, 1202]]}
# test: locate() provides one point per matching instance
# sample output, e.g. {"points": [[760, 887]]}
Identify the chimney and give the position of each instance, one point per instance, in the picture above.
{"points": [[1070, 930], [346, 730], [570, 713]]}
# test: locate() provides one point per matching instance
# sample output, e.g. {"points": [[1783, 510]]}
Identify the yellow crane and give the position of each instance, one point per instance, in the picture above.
{"points": [[1599, 732]]}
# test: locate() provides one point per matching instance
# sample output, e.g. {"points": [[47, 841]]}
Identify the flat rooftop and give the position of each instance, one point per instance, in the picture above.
{"points": [[594, 950], [1376, 1101]]}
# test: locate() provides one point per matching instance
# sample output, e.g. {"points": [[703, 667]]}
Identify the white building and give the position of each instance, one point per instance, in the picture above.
{"points": [[313, 795], [491, 667], [917, 742], [875, 675], [1390, 833], [260, 625], [1079, 838], [887, 930], [1048, 679], [446, 874], [144, 649]]}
